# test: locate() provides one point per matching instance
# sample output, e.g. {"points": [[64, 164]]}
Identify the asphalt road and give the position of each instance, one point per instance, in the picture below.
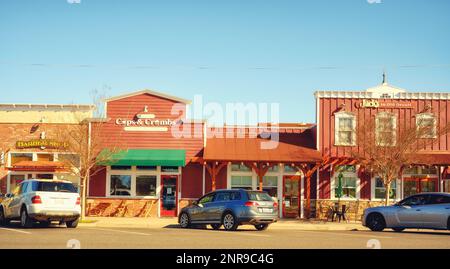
{"points": [[170, 237]]}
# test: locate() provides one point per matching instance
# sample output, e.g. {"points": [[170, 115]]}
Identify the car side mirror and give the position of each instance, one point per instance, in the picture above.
{"points": [[195, 203]]}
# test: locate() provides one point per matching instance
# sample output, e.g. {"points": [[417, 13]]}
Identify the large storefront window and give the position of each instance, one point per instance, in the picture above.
{"points": [[270, 185], [19, 157], [146, 186], [380, 190], [120, 185], [241, 182]]}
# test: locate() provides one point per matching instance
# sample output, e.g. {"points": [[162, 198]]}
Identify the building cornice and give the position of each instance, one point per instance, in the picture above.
{"points": [[372, 95]]}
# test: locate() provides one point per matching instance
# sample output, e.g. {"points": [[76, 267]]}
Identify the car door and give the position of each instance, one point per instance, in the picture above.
{"points": [[199, 212], [14, 206], [437, 211], [216, 208], [410, 212]]}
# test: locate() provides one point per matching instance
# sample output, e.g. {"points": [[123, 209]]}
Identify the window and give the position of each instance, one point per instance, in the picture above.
{"points": [[223, 197], [206, 199], [439, 199], [290, 169], [385, 129], [447, 185], [19, 157], [421, 170], [426, 125], [117, 167], [45, 157], [146, 168], [241, 182], [240, 168], [348, 187], [346, 169], [146, 186], [414, 200], [53, 187], [169, 169], [380, 190], [270, 185], [345, 129], [258, 196], [120, 185]]}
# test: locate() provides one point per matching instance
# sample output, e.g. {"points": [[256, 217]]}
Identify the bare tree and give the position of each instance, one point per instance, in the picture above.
{"points": [[86, 143], [385, 147]]}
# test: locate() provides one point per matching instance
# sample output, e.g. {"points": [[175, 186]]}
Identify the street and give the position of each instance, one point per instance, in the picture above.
{"points": [[172, 237]]}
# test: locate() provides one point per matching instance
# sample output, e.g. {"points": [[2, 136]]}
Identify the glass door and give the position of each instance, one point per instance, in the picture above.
{"points": [[168, 201], [291, 196]]}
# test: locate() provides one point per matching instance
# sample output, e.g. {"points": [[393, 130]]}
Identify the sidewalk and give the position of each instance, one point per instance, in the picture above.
{"points": [[307, 225]]}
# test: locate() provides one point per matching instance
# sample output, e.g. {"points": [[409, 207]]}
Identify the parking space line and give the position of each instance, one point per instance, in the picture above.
{"points": [[15, 230], [119, 231]]}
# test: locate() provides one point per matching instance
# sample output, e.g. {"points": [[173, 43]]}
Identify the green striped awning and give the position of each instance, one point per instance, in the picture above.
{"points": [[143, 157]]}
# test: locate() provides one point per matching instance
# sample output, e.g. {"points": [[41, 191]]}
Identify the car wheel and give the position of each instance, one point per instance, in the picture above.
{"points": [[398, 230], [229, 222], [261, 227], [72, 223], [3, 220], [185, 221], [375, 222], [216, 226], [25, 220]]}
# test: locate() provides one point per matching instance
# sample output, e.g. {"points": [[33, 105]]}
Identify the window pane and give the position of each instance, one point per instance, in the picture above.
{"points": [[290, 169], [121, 185], [169, 169], [273, 169], [241, 181], [270, 181], [240, 168], [117, 167], [18, 157], [146, 186], [146, 168], [45, 157]]}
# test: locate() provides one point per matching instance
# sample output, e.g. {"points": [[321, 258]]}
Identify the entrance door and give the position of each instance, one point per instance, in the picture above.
{"points": [[418, 185], [169, 193], [291, 196]]}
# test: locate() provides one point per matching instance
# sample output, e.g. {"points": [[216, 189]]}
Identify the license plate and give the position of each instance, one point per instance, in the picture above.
{"points": [[266, 210], [59, 201]]}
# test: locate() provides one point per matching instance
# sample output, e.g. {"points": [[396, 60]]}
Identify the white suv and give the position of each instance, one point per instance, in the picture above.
{"points": [[43, 201]]}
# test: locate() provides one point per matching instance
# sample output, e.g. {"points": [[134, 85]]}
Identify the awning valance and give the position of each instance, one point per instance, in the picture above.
{"points": [[143, 157]]}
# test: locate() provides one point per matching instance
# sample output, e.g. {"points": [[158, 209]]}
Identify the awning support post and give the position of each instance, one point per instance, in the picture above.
{"points": [[213, 170]]}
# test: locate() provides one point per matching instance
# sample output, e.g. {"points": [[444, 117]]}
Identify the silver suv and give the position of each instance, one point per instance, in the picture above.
{"points": [[43, 201], [231, 208]]}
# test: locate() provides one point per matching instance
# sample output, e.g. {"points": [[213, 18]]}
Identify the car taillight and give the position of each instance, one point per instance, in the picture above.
{"points": [[36, 200], [249, 203], [78, 201]]}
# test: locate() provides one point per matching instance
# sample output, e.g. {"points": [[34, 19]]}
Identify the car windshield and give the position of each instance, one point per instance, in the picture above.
{"points": [[53, 187], [258, 196]]}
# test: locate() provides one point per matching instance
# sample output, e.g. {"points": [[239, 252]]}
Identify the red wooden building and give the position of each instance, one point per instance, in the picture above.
{"points": [[337, 115]]}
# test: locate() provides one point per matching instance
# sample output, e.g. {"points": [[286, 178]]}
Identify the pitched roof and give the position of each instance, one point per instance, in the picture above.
{"points": [[150, 92]]}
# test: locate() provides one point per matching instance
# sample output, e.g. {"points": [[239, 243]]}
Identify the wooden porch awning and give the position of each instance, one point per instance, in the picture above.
{"points": [[40, 166], [258, 149]]}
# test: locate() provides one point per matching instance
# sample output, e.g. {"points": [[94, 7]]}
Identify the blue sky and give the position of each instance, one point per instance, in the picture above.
{"points": [[229, 51]]}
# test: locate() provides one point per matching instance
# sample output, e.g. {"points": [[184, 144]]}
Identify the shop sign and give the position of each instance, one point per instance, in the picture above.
{"points": [[145, 122], [373, 103], [42, 144]]}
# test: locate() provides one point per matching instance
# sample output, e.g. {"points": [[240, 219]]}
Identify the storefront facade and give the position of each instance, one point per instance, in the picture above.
{"points": [[338, 112], [165, 162], [31, 145]]}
